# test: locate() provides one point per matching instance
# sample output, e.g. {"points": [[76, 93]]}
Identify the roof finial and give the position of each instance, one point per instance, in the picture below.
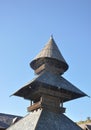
{"points": [[51, 36]]}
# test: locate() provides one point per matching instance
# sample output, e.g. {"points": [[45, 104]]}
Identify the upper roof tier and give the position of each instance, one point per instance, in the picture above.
{"points": [[50, 53]]}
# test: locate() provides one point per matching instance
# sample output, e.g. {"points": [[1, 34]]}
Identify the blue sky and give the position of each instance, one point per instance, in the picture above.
{"points": [[25, 27]]}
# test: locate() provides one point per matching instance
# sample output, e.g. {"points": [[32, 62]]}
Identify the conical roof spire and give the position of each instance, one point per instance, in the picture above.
{"points": [[51, 52]]}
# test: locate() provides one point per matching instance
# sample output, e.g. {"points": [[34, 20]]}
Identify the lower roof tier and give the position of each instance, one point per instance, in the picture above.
{"points": [[45, 120]]}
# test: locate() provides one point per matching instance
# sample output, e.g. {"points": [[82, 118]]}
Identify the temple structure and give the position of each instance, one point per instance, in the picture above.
{"points": [[47, 92]]}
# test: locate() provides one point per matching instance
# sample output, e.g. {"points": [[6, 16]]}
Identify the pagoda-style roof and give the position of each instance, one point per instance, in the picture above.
{"points": [[50, 81], [45, 120], [47, 92], [51, 52]]}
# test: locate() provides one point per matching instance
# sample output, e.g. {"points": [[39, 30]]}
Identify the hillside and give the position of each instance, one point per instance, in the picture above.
{"points": [[84, 122]]}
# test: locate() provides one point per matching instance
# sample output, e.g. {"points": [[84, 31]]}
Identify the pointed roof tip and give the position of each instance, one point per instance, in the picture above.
{"points": [[51, 51], [51, 37]]}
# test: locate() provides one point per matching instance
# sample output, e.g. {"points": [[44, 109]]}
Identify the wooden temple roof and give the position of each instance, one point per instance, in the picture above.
{"points": [[48, 89], [50, 81]]}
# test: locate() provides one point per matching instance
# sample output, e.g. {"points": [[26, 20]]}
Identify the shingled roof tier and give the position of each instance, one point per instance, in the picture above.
{"points": [[50, 53], [49, 81], [45, 120], [6, 120]]}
